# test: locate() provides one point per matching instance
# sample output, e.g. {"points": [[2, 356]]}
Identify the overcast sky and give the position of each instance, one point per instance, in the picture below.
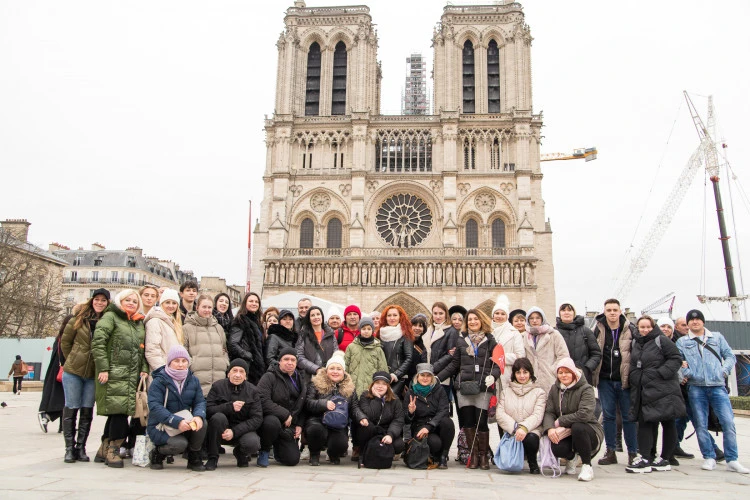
{"points": [[141, 123]]}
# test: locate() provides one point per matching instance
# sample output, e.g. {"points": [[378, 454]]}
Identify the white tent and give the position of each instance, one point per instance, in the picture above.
{"points": [[289, 301]]}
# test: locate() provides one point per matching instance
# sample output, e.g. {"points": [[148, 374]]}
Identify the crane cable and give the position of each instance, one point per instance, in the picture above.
{"points": [[624, 261]]}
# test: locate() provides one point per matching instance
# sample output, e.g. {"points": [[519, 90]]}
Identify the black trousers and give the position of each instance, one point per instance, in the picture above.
{"points": [[191, 440], [647, 433], [274, 435], [582, 441], [116, 427], [441, 438], [17, 381], [336, 441], [249, 443], [135, 429], [531, 447], [363, 434], [470, 416]]}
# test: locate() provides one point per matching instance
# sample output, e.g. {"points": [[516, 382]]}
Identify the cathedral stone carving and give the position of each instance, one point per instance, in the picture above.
{"points": [[485, 202], [320, 202]]}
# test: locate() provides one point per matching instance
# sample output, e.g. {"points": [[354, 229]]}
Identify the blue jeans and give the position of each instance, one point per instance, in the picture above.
{"points": [[79, 391], [612, 395], [700, 397]]}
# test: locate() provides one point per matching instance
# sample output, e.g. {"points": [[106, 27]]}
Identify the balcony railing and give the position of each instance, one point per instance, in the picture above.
{"points": [[106, 281], [400, 253]]}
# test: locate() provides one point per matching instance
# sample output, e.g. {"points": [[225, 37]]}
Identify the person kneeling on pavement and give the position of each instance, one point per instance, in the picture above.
{"points": [[282, 392], [176, 411], [569, 420], [234, 414], [380, 414]]}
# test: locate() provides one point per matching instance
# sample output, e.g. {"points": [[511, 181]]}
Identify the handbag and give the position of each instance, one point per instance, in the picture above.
{"points": [[417, 454], [509, 454], [469, 388], [58, 377], [378, 455], [548, 460], [338, 418], [142, 450], [184, 414], [141, 401]]}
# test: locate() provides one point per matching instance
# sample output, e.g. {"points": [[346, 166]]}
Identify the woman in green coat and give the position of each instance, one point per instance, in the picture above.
{"points": [[118, 349]]}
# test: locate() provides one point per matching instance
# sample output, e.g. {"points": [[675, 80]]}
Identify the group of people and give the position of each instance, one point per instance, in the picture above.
{"points": [[286, 388]]}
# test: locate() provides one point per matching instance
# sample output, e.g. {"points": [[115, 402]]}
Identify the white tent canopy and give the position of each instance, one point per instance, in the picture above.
{"points": [[289, 301]]}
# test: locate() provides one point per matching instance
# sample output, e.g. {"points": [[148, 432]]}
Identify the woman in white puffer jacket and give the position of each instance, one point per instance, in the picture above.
{"points": [[505, 334]]}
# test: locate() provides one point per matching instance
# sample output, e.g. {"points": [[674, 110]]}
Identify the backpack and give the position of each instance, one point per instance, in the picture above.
{"points": [[338, 418], [417, 454], [339, 336], [377, 455]]}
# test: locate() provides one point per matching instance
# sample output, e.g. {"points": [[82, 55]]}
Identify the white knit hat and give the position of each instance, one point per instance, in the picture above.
{"points": [[169, 294], [666, 321], [337, 359], [502, 304], [333, 311]]}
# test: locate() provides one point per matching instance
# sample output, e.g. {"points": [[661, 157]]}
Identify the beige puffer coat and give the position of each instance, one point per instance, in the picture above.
{"points": [[521, 404], [550, 348], [160, 337], [207, 344]]}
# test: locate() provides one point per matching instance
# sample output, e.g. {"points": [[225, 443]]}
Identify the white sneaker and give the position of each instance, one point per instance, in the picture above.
{"points": [[305, 453], [587, 473], [710, 464], [570, 467], [735, 466]]}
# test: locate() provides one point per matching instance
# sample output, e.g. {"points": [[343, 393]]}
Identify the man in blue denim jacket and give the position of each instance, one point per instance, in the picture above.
{"points": [[706, 375]]}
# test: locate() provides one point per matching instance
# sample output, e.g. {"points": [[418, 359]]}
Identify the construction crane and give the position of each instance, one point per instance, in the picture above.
{"points": [[587, 154], [652, 308]]}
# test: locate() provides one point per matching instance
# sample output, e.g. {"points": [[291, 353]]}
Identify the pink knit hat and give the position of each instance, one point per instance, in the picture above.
{"points": [[569, 365]]}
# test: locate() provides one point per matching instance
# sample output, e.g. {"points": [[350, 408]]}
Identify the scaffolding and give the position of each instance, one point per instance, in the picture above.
{"points": [[414, 100]]}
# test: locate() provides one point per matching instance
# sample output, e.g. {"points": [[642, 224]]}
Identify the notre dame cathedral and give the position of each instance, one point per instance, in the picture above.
{"points": [[371, 209]]}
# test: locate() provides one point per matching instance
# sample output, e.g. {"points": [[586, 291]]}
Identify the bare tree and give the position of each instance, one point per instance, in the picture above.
{"points": [[30, 290]]}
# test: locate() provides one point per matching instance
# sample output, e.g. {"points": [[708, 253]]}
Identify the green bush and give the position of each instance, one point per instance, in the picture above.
{"points": [[740, 402]]}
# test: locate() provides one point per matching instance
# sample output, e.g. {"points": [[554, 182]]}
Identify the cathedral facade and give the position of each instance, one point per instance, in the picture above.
{"points": [[372, 209]]}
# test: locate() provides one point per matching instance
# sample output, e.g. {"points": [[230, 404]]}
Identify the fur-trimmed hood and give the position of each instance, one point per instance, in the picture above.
{"points": [[325, 386]]}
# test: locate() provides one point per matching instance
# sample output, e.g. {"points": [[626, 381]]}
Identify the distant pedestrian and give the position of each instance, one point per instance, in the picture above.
{"points": [[19, 370]]}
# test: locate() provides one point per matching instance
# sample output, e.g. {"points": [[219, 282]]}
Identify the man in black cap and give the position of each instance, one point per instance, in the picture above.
{"points": [[283, 392], [708, 362], [235, 413]]}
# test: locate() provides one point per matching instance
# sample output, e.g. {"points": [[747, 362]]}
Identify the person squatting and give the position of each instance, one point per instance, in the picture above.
{"points": [[282, 387]]}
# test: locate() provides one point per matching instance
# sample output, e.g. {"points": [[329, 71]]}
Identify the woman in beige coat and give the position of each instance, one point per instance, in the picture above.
{"points": [[207, 344], [163, 329], [520, 410], [544, 347]]}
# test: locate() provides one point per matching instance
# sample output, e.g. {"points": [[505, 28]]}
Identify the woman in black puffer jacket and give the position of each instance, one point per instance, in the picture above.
{"points": [[654, 394], [397, 341], [246, 337], [379, 414], [280, 336], [581, 341]]}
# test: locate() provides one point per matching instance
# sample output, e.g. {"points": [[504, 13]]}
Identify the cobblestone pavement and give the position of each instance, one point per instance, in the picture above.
{"points": [[31, 467]]}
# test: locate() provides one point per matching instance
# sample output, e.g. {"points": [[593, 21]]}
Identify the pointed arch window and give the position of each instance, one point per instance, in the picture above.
{"points": [[338, 93], [333, 233], [495, 154], [493, 77], [468, 77], [498, 233], [472, 234], [306, 233], [312, 90]]}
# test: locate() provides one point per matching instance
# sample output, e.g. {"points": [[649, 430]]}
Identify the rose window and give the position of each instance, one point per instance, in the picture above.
{"points": [[403, 220]]}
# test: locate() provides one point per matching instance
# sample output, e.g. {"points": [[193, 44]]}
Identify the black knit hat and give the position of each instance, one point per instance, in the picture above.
{"points": [[457, 309], [287, 351], [695, 314], [284, 313], [241, 363], [515, 312], [384, 376], [101, 291]]}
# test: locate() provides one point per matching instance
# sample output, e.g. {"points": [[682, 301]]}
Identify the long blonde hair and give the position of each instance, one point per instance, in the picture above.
{"points": [[177, 323]]}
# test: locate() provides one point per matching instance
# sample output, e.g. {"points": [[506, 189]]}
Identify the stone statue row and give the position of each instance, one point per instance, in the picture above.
{"points": [[490, 274]]}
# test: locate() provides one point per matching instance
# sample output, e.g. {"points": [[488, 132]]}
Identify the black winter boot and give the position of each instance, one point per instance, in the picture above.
{"points": [[194, 461], [69, 431], [443, 463], [84, 427], [156, 459]]}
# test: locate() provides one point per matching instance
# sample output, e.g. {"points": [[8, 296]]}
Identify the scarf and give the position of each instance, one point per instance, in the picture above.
{"points": [[177, 376], [366, 340], [476, 338], [224, 319], [421, 390], [136, 316], [536, 331], [390, 333]]}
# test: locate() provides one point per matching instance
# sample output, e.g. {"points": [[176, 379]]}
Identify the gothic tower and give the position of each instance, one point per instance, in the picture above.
{"points": [[370, 209]]}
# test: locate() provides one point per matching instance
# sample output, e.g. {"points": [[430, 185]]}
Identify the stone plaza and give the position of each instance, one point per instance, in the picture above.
{"points": [[31, 467]]}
